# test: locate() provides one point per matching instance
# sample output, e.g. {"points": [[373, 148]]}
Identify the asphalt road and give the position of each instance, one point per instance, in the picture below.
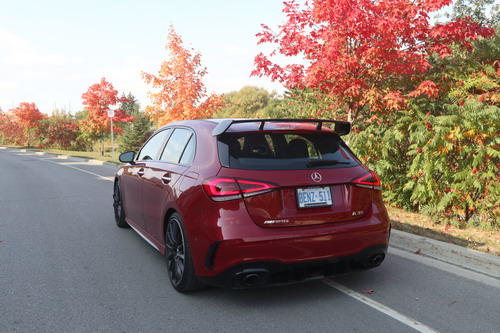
{"points": [[65, 267]]}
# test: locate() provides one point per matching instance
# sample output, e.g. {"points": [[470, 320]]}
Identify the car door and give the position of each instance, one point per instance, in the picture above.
{"points": [[133, 177], [161, 178]]}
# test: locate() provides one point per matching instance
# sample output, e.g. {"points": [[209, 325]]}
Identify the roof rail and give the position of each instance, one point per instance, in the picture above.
{"points": [[341, 127]]}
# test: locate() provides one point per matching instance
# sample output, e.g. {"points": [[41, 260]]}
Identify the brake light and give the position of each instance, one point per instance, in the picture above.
{"points": [[368, 180], [223, 189]]}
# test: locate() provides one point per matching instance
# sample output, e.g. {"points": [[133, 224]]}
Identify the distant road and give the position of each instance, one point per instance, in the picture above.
{"points": [[66, 267]]}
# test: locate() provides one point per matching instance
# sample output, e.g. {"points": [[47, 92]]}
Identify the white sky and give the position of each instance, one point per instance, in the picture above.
{"points": [[51, 51]]}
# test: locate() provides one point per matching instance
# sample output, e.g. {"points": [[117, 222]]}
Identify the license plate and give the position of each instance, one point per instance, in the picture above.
{"points": [[314, 197]]}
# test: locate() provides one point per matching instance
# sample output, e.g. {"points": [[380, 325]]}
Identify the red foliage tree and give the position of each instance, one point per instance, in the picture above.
{"points": [[180, 92], [28, 117], [10, 131], [62, 131], [361, 52], [98, 99]]}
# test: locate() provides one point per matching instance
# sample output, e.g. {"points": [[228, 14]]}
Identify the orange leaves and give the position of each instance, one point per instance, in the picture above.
{"points": [[178, 91], [27, 115], [427, 87]]}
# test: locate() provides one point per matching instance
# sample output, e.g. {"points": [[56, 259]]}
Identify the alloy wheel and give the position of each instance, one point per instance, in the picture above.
{"points": [[175, 251]]}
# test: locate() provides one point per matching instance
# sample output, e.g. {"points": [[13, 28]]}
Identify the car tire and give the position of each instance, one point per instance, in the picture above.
{"points": [[178, 257], [118, 207]]}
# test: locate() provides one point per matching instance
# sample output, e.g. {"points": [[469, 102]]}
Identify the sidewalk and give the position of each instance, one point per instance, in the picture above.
{"points": [[479, 262]]}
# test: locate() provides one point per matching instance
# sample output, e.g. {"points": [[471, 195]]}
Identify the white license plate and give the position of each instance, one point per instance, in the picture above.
{"points": [[314, 197]]}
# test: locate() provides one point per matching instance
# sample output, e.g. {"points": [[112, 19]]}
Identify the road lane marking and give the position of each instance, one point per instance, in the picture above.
{"points": [[111, 179], [447, 267], [381, 307]]}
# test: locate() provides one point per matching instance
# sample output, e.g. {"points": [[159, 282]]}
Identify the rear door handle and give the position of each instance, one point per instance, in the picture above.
{"points": [[140, 172], [166, 178]]}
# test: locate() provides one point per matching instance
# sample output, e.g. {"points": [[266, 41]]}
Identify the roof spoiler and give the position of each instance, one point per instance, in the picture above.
{"points": [[341, 127]]}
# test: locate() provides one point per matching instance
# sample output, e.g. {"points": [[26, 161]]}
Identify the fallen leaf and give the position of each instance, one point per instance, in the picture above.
{"points": [[417, 252], [368, 291]]}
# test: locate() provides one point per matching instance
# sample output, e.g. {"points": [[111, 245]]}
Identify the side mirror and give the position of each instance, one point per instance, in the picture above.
{"points": [[127, 157]]}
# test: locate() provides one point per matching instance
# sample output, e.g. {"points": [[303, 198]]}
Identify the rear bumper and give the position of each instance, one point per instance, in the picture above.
{"points": [[269, 273]]}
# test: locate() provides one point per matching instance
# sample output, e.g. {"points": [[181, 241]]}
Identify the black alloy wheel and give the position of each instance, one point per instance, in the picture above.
{"points": [[118, 207], [175, 252], [178, 257]]}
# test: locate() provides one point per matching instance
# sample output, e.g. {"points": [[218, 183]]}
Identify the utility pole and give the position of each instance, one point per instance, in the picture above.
{"points": [[111, 114]]}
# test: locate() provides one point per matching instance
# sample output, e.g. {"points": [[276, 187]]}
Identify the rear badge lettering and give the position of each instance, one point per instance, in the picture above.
{"points": [[359, 212], [276, 221]]}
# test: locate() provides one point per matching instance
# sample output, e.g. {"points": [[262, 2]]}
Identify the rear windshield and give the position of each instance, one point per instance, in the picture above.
{"points": [[284, 151]]}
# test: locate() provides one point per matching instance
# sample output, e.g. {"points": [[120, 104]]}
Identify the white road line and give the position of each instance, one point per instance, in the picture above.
{"points": [[111, 179], [450, 268], [381, 307]]}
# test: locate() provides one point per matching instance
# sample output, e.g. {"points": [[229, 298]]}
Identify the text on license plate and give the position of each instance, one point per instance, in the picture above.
{"points": [[314, 196]]}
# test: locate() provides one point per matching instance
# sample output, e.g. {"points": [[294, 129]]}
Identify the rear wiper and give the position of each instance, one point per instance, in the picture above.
{"points": [[313, 163]]}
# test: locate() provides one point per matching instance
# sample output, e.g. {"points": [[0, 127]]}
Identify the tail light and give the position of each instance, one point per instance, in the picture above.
{"points": [[223, 189], [368, 180]]}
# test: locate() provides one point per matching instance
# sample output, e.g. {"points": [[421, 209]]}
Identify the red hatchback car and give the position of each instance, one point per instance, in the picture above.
{"points": [[245, 203]]}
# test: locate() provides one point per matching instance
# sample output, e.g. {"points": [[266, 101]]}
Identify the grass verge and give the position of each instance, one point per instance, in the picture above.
{"points": [[473, 238]]}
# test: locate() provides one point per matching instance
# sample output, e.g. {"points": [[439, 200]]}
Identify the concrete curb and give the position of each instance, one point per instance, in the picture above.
{"points": [[67, 157], [483, 263]]}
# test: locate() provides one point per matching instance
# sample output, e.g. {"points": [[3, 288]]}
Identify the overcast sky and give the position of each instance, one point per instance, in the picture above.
{"points": [[51, 51]]}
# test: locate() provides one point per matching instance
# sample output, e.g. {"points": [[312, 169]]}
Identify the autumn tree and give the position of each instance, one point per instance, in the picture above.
{"points": [[366, 55], [28, 117], [10, 131], [439, 155], [99, 99], [61, 131], [178, 90]]}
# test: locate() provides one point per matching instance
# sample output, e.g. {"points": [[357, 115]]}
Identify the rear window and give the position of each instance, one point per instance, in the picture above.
{"points": [[284, 151]]}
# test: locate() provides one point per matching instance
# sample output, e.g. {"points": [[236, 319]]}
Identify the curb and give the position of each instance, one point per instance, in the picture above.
{"points": [[480, 262], [66, 157]]}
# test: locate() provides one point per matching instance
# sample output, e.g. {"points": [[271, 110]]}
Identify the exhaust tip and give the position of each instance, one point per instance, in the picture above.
{"points": [[375, 260], [252, 278]]}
